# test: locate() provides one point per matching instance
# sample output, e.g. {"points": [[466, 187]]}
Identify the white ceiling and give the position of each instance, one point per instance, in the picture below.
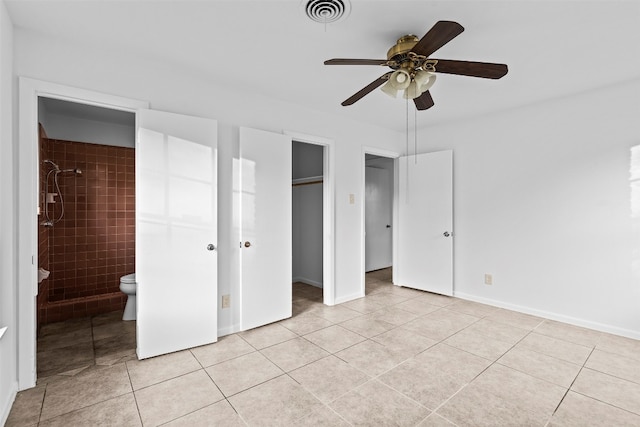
{"points": [[553, 48]]}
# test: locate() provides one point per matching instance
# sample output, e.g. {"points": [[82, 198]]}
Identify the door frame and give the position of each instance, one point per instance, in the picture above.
{"points": [[363, 165], [28, 161], [328, 211]]}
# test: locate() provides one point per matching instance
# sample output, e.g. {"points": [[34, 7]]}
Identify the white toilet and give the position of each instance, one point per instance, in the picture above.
{"points": [[128, 285]]}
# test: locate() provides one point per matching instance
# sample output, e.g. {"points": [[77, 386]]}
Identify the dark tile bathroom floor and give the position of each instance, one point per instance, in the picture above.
{"points": [[67, 348]]}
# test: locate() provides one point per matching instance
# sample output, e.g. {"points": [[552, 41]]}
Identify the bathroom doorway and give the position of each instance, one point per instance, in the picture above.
{"points": [[85, 231]]}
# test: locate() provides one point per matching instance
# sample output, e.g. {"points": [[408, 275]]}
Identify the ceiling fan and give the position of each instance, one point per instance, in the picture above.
{"points": [[414, 72]]}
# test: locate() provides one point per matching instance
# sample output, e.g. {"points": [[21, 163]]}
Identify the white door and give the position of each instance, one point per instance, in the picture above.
{"points": [[425, 220], [378, 218], [176, 215], [265, 227]]}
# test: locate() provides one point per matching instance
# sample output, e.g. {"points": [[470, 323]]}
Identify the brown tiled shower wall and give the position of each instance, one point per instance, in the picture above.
{"points": [[93, 245]]}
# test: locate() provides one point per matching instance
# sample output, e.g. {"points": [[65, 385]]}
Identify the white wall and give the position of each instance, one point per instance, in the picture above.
{"points": [[171, 88], [544, 199], [69, 128], [8, 299], [307, 161]]}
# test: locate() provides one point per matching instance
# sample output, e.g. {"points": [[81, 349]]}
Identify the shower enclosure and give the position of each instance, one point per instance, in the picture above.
{"points": [[86, 231]]}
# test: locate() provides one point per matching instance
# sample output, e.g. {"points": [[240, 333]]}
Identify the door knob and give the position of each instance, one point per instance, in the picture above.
{"points": [[388, 226], [247, 244], [446, 234], [211, 247]]}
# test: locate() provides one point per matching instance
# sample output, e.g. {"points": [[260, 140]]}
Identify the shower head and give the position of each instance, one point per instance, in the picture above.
{"points": [[55, 166], [74, 170]]}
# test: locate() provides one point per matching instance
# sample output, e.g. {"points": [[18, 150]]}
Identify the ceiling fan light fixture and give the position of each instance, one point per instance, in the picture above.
{"points": [[389, 89], [412, 91], [424, 80], [400, 79]]}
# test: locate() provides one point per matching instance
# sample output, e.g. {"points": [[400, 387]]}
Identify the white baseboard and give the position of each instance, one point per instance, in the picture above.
{"points": [[6, 406], [552, 316], [346, 298], [307, 281]]}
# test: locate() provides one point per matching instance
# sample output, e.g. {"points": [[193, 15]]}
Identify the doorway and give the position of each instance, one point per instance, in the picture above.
{"points": [[307, 174], [378, 219], [85, 231], [28, 203]]}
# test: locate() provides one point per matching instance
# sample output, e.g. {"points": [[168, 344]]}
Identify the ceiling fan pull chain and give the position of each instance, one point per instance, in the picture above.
{"points": [[415, 135]]}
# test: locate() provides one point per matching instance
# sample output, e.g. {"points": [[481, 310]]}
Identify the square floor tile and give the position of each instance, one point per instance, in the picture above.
{"points": [[472, 308], [579, 410], [26, 408], [85, 390], [608, 389], [372, 358], [277, 402], [375, 404], [227, 347], [268, 335], [560, 349], [218, 414], [571, 333], [541, 366], [440, 324], [334, 338], [176, 397], [119, 411], [243, 372], [305, 324], [521, 390], [417, 306], [615, 364], [473, 406], [335, 313], [623, 346], [477, 344], [323, 417], [329, 378], [294, 353], [367, 325], [435, 375], [404, 341], [498, 331], [144, 373], [363, 305], [513, 318]]}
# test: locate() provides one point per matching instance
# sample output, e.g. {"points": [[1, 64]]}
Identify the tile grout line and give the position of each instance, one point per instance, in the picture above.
{"points": [[135, 399], [573, 382]]}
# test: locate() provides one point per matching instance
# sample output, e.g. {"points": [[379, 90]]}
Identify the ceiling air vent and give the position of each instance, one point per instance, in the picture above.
{"points": [[327, 11]]}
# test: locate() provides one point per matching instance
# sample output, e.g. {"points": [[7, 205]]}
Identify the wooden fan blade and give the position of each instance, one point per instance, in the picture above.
{"points": [[424, 101], [439, 35], [348, 61], [367, 89], [474, 69]]}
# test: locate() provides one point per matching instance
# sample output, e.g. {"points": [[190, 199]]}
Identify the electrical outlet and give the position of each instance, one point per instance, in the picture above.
{"points": [[226, 301], [352, 199], [488, 279]]}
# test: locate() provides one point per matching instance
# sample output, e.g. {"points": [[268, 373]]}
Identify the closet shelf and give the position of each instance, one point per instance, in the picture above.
{"points": [[310, 180]]}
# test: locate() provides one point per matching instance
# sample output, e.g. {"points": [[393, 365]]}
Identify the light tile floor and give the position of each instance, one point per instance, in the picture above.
{"points": [[396, 357]]}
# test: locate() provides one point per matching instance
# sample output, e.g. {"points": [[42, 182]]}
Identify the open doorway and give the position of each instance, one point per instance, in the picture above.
{"points": [[378, 220], [86, 235], [307, 222], [29, 202]]}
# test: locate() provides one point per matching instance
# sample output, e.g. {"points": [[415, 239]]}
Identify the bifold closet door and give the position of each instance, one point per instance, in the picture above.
{"points": [[424, 251], [176, 232], [263, 199]]}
